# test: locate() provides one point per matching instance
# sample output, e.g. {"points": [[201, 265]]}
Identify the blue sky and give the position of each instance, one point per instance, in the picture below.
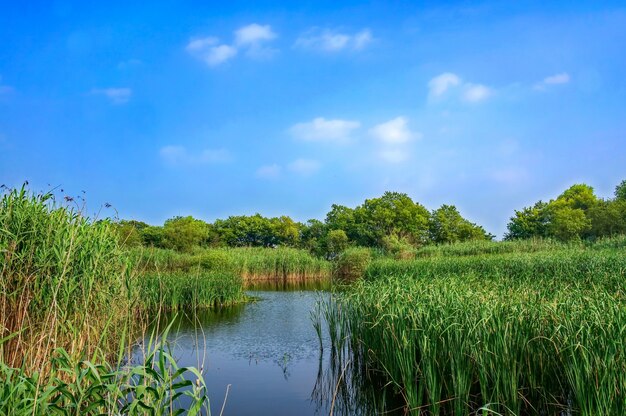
{"points": [[222, 108]]}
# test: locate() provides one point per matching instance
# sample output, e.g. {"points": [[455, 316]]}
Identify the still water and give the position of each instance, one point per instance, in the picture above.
{"points": [[267, 350]]}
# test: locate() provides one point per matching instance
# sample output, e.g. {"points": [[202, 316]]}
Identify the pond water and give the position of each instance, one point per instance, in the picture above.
{"points": [[266, 350]]}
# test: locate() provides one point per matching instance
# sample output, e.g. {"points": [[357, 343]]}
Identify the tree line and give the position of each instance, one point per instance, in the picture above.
{"points": [[575, 214], [390, 221], [393, 222]]}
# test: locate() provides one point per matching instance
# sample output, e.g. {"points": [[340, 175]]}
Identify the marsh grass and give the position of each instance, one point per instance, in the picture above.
{"points": [[177, 290], [69, 300], [519, 333], [252, 264], [59, 272]]}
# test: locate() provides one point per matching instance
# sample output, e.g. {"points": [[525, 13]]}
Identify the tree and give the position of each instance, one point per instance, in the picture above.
{"points": [[620, 191], [184, 233], [608, 218], [448, 226], [528, 223], [393, 213], [579, 196], [336, 243], [568, 223]]}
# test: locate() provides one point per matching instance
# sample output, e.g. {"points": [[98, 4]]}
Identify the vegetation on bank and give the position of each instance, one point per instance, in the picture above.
{"points": [[250, 263], [69, 300], [512, 332]]}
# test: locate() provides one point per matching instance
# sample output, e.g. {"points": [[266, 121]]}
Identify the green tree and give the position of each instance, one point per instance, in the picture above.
{"points": [[528, 223], [568, 223], [393, 213], [448, 226], [620, 191], [608, 218], [184, 233], [336, 243], [579, 196]]}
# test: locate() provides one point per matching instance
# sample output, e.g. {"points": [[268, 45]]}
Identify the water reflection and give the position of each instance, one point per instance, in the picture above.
{"points": [[272, 356]]}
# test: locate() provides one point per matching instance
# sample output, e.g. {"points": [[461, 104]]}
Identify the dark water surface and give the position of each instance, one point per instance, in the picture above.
{"points": [[266, 350]]}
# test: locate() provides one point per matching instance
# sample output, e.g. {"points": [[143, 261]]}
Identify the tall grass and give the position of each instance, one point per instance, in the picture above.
{"points": [[174, 291], [252, 264], [68, 303], [521, 333], [59, 272]]}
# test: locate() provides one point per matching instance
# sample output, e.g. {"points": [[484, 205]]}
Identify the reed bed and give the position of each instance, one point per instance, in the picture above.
{"points": [[59, 272], [523, 333], [252, 264], [68, 303], [533, 245], [185, 290]]}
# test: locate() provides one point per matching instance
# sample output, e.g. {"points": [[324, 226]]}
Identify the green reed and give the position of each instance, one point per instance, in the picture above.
{"points": [[252, 264], [69, 300], [511, 333], [178, 290]]}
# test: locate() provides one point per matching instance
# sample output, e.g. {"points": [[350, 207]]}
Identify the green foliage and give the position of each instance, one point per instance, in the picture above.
{"points": [[73, 387], [568, 223], [185, 290], [448, 226], [393, 213], [576, 214], [59, 272], [337, 242], [352, 263], [251, 263], [620, 191], [184, 233], [516, 333]]}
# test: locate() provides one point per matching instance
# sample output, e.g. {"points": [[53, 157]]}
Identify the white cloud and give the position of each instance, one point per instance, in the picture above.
{"points": [[441, 83], [475, 93], [394, 131], [394, 155], [115, 95], [562, 78], [331, 41], [179, 155], [556, 79], [253, 34], [304, 167], [250, 39], [269, 171], [211, 51], [320, 129]]}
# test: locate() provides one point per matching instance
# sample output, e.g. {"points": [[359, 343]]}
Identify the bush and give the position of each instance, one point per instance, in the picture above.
{"points": [[352, 263]]}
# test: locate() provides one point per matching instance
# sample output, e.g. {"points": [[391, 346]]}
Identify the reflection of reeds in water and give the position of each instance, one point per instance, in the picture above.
{"points": [[344, 386]]}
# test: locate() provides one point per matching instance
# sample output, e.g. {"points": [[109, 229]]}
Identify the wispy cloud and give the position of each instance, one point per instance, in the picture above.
{"points": [[304, 167], [442, 83], [329, 40], [251, 39], [475, 93], [114, 95], [439, 86], [211, 51], [556, 79], [394, 131], [269, 171], [253, 34], [180, 156], [321, 129]]}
